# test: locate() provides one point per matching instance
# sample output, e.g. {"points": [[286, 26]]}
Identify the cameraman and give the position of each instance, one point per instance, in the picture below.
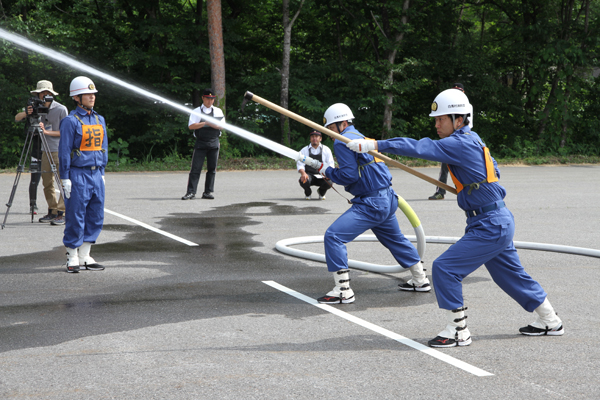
{"points": [[36, 161], [49, 125]]}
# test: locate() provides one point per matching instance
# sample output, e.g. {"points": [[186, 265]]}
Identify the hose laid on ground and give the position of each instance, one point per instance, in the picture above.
{"points": [[419, 238], [283, 247]]}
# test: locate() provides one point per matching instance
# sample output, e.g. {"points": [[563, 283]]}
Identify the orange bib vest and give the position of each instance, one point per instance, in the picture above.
{"points": [[490, 172], [92, 136]]}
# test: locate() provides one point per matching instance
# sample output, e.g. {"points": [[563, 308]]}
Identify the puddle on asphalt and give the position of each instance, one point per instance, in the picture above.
{"points": [[220, 277]]}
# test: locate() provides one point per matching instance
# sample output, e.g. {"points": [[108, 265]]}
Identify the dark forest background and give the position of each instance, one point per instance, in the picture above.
{"points": [[529, 67]]}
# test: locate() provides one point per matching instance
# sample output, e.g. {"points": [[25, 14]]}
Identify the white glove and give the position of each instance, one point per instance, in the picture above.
{"points": [[103, 180], [300, 157], [311, 162], [361, 145], [66, 184], [316, 164]]}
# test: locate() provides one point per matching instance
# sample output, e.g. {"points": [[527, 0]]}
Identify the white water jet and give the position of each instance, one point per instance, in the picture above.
{"points": [[71, 62]]}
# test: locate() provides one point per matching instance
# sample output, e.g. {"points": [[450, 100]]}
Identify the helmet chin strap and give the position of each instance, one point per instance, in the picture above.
{"points": [[454, 121], [85, 107], [80, 104]]}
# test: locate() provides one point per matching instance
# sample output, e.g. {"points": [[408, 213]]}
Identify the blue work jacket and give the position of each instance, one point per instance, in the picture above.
{"points": [[463, 152], [357, 180], [71, 134]]}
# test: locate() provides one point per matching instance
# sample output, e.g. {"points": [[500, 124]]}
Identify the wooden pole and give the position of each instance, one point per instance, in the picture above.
{"points": [[332, 134]]}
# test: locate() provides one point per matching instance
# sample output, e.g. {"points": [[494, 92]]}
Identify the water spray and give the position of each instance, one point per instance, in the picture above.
{"points": [[71, 62]]}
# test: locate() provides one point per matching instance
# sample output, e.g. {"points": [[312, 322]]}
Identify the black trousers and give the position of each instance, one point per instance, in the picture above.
{"points": [[200, 153], [36, 152], [312, 181], [443, 178]]}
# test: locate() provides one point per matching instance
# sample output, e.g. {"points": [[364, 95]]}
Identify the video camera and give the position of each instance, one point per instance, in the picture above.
{"points": [[38, 105]]}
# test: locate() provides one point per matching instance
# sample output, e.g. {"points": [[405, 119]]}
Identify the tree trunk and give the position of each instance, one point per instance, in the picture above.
{"points": [[391, 58], [566, 119], [217, 55], [285, 68], [197, 93], [549, 104]]}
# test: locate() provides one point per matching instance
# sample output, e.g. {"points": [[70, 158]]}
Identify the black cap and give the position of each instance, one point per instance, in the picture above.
{"points": [[315, 133], [459, 86], [208, 93]]}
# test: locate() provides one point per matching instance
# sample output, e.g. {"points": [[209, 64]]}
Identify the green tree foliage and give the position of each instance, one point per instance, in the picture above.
{"points": [[528, 67]]}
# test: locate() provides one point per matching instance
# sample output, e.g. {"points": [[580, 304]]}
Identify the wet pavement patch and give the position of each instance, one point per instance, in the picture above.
{"points": [[187, 282]]}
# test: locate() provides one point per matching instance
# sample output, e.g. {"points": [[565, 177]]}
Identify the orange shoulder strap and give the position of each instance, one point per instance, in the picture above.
{"points": [[459, 186], [489, 169]]}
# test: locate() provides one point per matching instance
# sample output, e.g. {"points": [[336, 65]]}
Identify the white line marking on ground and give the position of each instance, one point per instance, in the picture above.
{"points": [[408, 342], [167, 234]]}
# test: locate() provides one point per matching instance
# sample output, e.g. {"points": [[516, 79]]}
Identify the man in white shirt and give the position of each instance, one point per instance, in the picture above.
{"points": [[207, 146], [310, 176]]}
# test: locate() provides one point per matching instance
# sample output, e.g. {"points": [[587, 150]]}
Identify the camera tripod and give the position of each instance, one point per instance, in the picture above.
{"points": [[33, 131]]}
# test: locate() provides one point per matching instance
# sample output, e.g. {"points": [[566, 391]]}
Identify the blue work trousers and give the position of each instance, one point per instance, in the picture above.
{"points": [[84, 210], [488, 241], [378, 213]]}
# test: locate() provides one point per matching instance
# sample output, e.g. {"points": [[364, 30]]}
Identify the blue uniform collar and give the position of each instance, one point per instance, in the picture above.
{"points": [[83, 112], [464, 129], [351, 129]]}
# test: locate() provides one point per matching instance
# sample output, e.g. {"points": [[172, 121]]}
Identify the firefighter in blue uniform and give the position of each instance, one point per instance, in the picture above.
{"points": [[83, 155], [490, 227], [373, 207]]}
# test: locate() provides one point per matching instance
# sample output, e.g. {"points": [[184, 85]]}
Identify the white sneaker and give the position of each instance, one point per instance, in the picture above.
{"points": [[456, 333], [531, 330], [546, 323], [307, 198], [321, 197], [339, 299], [411, 287], [418, 282]]}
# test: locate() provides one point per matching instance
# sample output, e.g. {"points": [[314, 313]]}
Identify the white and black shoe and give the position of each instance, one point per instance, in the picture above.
{"points": [[73, 269], [336, 299], [418, 282], [91, 267], [342, 293], [440, 341], [530, 330], [85, 260], [456, 333], [546, 318], [411, 287]]}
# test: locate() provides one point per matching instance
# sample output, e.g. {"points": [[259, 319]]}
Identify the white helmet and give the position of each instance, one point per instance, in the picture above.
{"points": [[471, 117], [337, 113], [82, 85], [451, 101]]}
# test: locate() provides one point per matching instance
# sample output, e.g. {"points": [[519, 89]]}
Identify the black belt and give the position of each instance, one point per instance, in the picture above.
{"points": [[484, 209], [91, 167]]}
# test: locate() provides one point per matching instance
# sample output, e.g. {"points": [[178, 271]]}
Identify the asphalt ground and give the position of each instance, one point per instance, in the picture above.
{"points": [[167, 320]]}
